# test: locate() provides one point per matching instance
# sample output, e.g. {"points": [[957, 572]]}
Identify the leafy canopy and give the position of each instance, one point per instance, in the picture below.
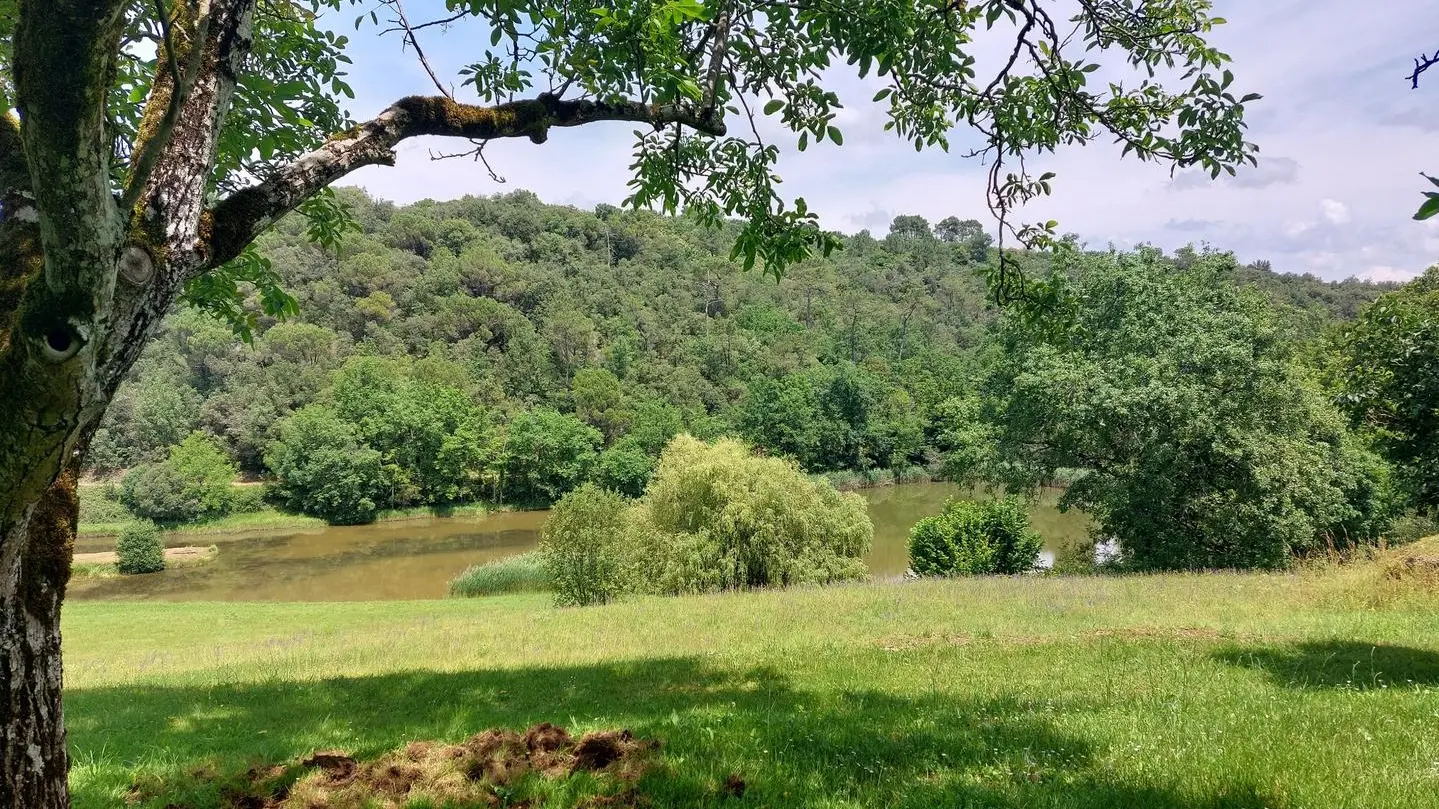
{"points": [[1203, 443]]}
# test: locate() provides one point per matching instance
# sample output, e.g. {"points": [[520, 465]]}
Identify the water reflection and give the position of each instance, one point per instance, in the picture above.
{"points": [[417, 559]]}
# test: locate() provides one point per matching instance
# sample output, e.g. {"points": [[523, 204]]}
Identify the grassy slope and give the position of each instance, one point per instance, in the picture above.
{"points": [[1178, 691]]}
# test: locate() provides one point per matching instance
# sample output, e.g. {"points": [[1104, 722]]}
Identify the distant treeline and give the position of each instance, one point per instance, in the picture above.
{"points": [[502, 348]]}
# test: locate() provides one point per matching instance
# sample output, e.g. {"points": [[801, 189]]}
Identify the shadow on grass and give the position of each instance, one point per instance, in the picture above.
{"points": [[1338, 664], [792, 747]]}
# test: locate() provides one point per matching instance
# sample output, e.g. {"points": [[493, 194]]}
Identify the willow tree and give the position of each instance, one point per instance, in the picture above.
{"points": [[148, 142]]}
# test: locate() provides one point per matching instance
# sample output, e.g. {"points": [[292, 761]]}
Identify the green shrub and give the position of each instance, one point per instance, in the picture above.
{"points": [[140, 549], [877, 477], [969, 538], [248, 499], [912, 474], [717, 517], [98, 506], [524, 573], [587, 549], [194, 482], [625, 468], [1405, 530], [322, 468], [843, 479]]}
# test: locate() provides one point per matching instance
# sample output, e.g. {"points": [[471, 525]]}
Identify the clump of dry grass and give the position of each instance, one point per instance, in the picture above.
{"points": [[1388, 577], [485, 770]]}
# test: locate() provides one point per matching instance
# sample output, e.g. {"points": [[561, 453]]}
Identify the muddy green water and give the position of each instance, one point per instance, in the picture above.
{"points": [[417, 559]]}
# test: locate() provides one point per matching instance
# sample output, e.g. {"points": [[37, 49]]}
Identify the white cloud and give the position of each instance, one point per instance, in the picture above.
{"points": [[1335, 212], [1296, 229], [1383, 273]]}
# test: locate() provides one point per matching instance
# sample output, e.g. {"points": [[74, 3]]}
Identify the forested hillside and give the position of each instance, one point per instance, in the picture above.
{"points": [[503, 348]]}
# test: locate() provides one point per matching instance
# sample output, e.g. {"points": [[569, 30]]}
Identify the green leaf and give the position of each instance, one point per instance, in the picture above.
{"points": [[1428, 209], [835, 136], [773, 106]]}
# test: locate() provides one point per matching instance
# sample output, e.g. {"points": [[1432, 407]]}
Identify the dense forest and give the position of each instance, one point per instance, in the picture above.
{"points": [[503, 349]]}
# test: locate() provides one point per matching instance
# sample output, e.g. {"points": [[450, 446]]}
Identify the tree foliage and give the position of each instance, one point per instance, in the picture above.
{"points": [[1391, 383], [975, 538], [195, 482], [1203, 443], [716, 517]]}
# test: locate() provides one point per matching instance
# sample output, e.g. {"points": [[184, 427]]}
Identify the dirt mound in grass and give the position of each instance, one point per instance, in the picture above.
{"points": [[1407, 574], [1417, 560], [477, 772], [1414, 567]]}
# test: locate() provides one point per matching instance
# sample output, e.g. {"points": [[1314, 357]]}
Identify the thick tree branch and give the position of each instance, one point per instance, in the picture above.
{"points": [[170, 92], [61, 73], [20, 256], [165, 220], [239, 218], [164, 241]]}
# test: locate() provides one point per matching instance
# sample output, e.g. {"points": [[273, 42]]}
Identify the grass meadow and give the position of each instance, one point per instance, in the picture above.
{"points": [[1285, 691]]}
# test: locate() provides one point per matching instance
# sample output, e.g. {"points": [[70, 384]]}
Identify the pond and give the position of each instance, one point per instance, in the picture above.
{"points": [[417, 558]]}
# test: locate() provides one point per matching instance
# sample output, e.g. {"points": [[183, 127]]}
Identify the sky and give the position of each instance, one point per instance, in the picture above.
{"points": [[1342, 140]]}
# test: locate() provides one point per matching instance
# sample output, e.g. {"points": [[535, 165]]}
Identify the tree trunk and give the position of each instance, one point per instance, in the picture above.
{"points": [[35, 555]]}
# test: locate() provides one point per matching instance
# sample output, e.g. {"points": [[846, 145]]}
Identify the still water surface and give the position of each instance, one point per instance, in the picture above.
{"points": [[417, 558]]}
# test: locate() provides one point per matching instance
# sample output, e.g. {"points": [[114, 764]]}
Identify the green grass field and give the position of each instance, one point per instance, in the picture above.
{"points": [[1204, 691]]}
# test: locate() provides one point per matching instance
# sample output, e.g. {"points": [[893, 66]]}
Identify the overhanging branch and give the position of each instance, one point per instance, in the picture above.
{"points": [[239, 218]]}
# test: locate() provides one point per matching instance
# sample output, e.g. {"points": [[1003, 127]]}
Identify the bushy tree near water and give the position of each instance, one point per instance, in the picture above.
{"points": [[1204, 443], [546, 454], [588, 547], [624, 467], [140, 548], [975, 538], [322, 468], [716, 516], [195, 482], [435, 442]]}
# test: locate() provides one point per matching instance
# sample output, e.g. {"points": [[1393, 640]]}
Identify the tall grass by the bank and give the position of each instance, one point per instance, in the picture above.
{"points": [[524, 573], [446, 510], [848, 479]]}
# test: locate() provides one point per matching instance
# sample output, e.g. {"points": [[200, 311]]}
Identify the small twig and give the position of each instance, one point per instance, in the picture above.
{"points": [[414, 42], [749, 113], [1422, 64], [477, 153], [445, 21]]}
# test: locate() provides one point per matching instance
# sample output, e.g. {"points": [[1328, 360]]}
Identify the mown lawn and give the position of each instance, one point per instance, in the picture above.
{"points": [[1241, 691]]}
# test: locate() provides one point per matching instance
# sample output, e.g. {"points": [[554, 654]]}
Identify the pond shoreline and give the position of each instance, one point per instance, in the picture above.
{"points": [[416, 554], [276, 520]]}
